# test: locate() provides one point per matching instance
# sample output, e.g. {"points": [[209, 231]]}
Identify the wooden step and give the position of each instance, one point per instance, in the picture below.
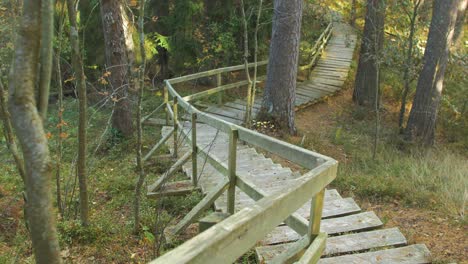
{"points": [[332, 226], [174, 189], [344, 244], [414, 254]]}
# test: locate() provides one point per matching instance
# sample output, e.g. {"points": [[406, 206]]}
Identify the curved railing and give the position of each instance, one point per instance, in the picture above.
{"points": [[230, 239]]}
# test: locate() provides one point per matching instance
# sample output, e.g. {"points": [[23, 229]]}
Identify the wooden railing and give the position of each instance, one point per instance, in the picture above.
{"points": [[317, 49], [231, 238]]}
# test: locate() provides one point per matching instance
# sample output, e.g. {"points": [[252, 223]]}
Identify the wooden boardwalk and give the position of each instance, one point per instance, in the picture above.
{"points": [[327, 77], [355, 236]]}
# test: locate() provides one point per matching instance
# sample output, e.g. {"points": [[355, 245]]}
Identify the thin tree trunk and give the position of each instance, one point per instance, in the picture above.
{"points": [[459, 26], [365, 90], [8, 133], [29, 129], [254, 84], [47, 35], [61, 123], [117, 64], [77, 62], [141, 172], [423, 115], [408, 64], [280, 90], [247, 118]]}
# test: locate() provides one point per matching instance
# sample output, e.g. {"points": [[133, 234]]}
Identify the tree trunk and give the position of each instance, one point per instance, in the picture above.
{"points": [[113, 20], [140, 168], [8, 133], [352, 17], [77, 62], [47, 35], [29, 129], [459, 26], [365, 89], [280, 89], [422, 119], [162, 10], [248, 110], [409, 62]]}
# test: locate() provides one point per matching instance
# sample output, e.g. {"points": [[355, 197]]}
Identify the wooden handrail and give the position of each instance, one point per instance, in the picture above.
{"points": [[226, 241]]}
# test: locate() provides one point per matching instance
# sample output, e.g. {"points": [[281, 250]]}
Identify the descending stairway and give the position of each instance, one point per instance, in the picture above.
{"points": [[351, 230], [355, 236]]}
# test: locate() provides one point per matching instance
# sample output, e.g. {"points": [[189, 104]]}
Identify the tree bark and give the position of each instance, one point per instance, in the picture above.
{"points": [[459, 25], [423, 115], [248, 110], [29, 129], [77, 62], [280, 89], [365, 89], [140, 168], [8, 133], [117, 64], [409, 62], [47, 35]]}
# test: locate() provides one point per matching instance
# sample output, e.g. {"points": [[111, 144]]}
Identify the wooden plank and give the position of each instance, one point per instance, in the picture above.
{"points": [[174, 189], [237, 234], [344, 244], [169, 173], [221, 112], [232, 162], [204, 204], [159, 144], [290, 254], [213, 72], [413, 254], [333, 208], [313, 253], [355, 222]]}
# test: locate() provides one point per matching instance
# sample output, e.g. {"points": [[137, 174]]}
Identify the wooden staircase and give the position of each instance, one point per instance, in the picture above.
{"points": [[355, 236]]}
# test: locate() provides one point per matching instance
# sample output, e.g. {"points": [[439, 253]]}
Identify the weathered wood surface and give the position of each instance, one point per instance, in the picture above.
{"points": [[174, 189], [414, 254], [352, 223], [343, 244]]}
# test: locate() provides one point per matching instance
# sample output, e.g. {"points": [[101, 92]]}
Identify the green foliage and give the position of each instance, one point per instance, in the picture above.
{"points": [[71, 231], [453, 114]]}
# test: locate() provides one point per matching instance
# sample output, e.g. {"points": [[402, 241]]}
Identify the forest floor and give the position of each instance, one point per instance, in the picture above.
{"points": [[338, 129]]}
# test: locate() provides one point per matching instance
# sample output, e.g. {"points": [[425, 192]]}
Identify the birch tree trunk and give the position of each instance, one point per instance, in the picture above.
{"points": [[280, 88], [113, 21], [459, 26], [140, 169], [77, 62], [423, 115], [365, 87], [29, 129]]}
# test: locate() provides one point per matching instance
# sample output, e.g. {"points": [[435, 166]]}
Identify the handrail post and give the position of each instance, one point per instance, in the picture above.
{"points": [[194, 150], [175, 120], [166, 102], [231, 197], [316, 208], [219, 82]]}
